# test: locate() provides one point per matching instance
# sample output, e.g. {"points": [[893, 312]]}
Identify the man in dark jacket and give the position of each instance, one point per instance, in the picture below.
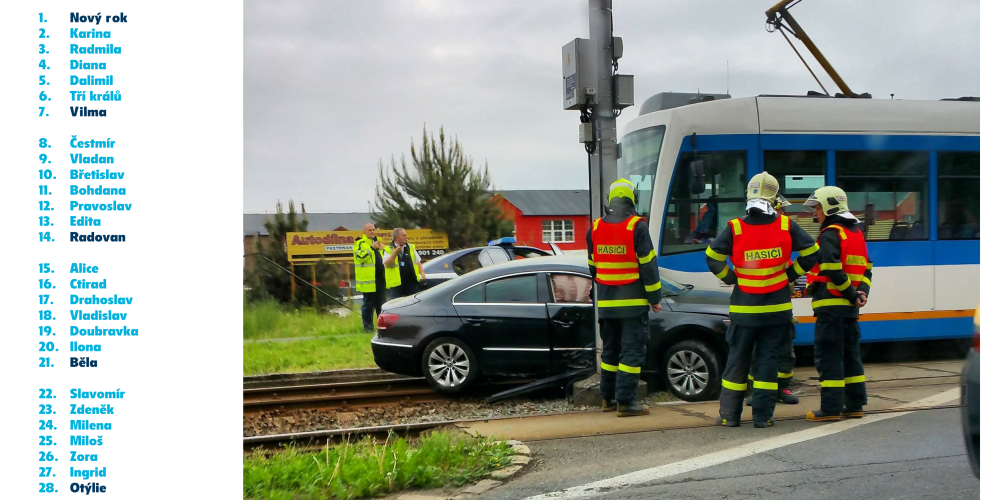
{"points": [[760, 245], [623, 263], [839, 286]]}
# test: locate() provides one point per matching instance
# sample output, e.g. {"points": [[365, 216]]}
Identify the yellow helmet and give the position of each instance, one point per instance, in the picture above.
{"points": [[831, 198], [622, 188], [763, 186], [781, 203]]}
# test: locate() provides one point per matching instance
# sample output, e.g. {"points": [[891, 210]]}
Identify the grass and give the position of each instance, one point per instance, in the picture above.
{"points": [[327, 353], [271, 320], [328, 341], [369, 468]]}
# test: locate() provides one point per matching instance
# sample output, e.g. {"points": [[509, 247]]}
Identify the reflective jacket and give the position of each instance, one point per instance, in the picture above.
{"points": [[623, 262], [773, 307], [843, 269], [761, 254], [364, 264], [392, 276]]}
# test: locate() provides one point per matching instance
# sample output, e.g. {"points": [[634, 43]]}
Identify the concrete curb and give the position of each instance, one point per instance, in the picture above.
{"points": [[521, 458]]}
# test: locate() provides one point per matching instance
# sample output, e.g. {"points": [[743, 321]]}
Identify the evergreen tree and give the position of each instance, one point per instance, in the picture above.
{"points": [[268, 279], [442, 192]]}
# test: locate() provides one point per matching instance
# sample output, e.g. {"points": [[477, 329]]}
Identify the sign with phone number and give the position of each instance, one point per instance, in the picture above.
{"points": [[311, 246], [424, 253]]}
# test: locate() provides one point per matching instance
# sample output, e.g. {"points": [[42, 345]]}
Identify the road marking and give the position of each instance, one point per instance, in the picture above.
{"points": [[609, 485]]}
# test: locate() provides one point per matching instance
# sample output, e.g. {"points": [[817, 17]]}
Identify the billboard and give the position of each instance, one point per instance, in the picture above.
{"points": [[311, 246]]}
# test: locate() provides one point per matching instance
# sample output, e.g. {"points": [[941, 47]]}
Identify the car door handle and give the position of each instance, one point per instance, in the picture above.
{"points": [[476, 321], [563, 323]]}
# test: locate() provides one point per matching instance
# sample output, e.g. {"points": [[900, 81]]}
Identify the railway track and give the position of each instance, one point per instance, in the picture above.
{"points": [[411, 389], [352, 394]]}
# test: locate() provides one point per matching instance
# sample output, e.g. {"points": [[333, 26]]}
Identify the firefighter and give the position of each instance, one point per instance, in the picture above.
{"points": [[786, 353], [623, 263], [759, 244], [839, 286]]}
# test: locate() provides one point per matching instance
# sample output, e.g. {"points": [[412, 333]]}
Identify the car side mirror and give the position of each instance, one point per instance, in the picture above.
{"points": [[696, 171]]}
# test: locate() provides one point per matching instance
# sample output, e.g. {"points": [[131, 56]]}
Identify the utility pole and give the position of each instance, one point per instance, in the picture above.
{"points": [[592, 86], [604, 158]]}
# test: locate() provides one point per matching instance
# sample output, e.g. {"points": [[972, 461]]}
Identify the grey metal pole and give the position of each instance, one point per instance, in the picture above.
{"points": [[603, 161], [604, 112]]}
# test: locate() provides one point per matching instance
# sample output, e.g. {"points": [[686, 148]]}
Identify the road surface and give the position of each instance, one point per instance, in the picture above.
{"points": [[910, 455]]}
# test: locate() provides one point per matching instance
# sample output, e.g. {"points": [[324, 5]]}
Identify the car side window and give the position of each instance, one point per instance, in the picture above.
{"points": [[527, 253], [467, 263], [498, 255], [571, 288], [484, 259], [516, 289], [474, 295]]}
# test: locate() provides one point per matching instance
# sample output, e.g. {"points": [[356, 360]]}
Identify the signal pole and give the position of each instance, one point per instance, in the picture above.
{"points": [[592, 86]]}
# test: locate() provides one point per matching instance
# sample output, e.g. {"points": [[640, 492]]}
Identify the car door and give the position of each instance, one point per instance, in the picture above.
{"points": [[571, 320], [504, 317]]}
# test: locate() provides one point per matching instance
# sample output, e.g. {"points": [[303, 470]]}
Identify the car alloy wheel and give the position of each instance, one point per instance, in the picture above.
{"points": [[449, 365], [687, 373]]}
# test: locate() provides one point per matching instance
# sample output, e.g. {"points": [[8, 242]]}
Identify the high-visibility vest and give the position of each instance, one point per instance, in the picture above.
{"points": [[761, 254], [853, 261], [364, 265], [614, 252], [392, 276]]}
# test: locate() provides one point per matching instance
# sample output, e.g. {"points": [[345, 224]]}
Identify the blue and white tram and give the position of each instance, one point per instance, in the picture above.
{"points": [[910, 168]]}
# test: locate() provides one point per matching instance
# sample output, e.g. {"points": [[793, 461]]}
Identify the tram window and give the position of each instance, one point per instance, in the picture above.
{"points": [[639, 161], [799, 173], [693, 220], [887, 192], [958, 196]]}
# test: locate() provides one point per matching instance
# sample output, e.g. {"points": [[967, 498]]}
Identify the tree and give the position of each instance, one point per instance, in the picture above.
{"points": [[443, 192], [270, 279]]}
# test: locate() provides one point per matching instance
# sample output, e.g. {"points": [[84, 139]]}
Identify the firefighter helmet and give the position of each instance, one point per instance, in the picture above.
{"points": [[762, 186], [831, 198], [781, 203], [622, 188]]}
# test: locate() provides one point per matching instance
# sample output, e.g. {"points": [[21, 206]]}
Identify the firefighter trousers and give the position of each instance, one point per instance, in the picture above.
{"points": [[742, 340], [622, 357], [838, 361], [786, 359]]}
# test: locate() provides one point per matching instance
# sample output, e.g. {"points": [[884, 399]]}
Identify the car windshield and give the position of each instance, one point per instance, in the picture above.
{"points": [[670, 286]]}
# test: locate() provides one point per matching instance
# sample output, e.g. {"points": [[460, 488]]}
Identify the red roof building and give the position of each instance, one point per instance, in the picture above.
{"points": [[545, 215]]}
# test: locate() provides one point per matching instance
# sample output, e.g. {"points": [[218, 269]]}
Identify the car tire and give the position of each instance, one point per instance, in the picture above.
{"points": [[692, 371], [442, 362]]}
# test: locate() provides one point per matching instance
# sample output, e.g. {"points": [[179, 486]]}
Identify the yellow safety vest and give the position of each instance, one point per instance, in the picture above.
{"points": [[392, 276], [364, 265]]}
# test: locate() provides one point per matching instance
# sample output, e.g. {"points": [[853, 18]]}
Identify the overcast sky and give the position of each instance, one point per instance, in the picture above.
{"points": [[332, 87]]}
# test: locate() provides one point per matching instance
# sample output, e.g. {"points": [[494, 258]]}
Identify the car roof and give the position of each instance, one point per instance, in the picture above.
{"points": [[571, 263], [568, 263]]}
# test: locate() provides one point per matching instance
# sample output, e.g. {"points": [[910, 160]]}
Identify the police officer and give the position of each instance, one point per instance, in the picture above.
{"points": [[760, 309], [623, 263], [369, 275], [786, 352], [839, 286], [403, 269]]}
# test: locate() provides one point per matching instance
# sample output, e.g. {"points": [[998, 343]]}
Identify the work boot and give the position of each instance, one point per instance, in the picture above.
{"points": [[853, 412], [632, 409], [727, 422], [786, 396], [608, 405], [822, 416], [761, 425]]}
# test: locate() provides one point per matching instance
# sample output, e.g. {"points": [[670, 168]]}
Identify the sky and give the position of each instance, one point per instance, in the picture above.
{"points": [[331, 87]]}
